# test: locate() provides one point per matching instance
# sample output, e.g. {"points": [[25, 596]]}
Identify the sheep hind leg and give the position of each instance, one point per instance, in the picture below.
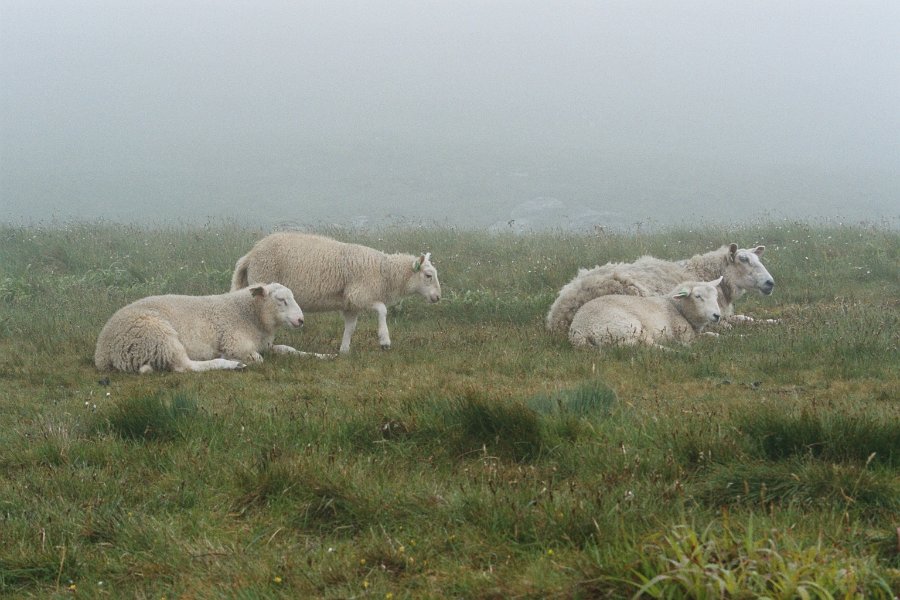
{"points": [[350, 319], [181, 362]]}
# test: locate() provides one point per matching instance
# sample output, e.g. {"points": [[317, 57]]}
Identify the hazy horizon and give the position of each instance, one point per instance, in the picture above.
{"points": [[461, 113]]}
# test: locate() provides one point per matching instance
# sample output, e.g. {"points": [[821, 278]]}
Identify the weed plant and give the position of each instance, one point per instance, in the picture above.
{"points": [[481, 457]]}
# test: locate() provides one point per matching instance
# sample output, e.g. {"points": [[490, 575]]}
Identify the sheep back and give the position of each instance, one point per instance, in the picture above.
{"points": [[324, 274], [617, 319], [157, 330], [644, 277]]}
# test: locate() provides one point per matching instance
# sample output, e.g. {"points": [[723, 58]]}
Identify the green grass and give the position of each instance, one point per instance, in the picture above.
{"points": [[480, 457]]}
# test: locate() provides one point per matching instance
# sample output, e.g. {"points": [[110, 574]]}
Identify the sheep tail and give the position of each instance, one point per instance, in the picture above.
{"points": [[239, 279]]}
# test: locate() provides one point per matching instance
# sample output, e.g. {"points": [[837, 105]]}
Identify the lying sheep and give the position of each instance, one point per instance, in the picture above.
{"points": [[618, 319], [740, 268], [196, 333], [327, 275]]}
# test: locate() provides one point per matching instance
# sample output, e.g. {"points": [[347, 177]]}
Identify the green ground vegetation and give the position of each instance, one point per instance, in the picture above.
{"points": [[481, 457]]}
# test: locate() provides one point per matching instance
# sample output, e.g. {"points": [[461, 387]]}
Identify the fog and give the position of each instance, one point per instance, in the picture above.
{"points": [[512, 114]]}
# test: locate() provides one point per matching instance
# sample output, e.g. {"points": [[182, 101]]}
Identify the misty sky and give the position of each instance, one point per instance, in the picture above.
{"points": [[456, 112]]}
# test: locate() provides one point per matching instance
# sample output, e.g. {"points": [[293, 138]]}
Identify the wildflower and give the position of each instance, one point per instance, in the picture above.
{"points": [[389, 596], [550, 552], [276, 579], [362, 561], [365, 584]]}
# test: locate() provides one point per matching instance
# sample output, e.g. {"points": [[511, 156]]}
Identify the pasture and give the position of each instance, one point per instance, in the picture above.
{"points": [[480, 457]]}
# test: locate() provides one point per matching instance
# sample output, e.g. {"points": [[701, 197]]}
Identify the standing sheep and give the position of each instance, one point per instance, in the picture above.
{"points": [[327, 275], [619, 319], [740, 268], [196, 333]]}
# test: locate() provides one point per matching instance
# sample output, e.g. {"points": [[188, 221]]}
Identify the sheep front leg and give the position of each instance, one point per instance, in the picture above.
{"points": [[350, 319], [216, 363], [283, 349], [384, 337]]}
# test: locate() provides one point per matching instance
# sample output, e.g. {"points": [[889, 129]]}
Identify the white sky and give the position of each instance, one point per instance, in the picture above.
{"points": [[376, 107]]}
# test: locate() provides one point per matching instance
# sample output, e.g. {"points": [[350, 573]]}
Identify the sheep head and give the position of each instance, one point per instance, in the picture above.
{"points": [[279, 302], [425, 279], [745, 271], [698, 302]]}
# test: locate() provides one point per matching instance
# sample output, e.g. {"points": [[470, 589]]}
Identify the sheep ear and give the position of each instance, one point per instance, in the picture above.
{"points": [[732, 251], [258, 291], [759, 250], [682, 293], [426, 257], [716, 282], [418, 264]]}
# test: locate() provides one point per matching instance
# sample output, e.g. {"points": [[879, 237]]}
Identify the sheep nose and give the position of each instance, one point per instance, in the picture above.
{"points": [[716, 317], [768, 286]]}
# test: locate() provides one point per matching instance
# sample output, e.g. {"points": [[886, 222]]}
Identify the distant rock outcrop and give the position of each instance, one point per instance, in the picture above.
{"points": [[552, 213]]}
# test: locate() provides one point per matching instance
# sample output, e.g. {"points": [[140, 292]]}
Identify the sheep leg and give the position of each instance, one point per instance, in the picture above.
{"points": [[748, 319], [350, 319], [741, 319], [282, 349], [171, 354], [211, 365], [182, 362], [384, 337]]}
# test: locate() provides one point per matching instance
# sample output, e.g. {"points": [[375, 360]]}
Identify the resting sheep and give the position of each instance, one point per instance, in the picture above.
{"points": [[740, 268], [618, 319], [327, 275], [196, 333]]}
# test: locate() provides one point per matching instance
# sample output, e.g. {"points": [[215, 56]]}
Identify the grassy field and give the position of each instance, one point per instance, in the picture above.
{"points": [[480, 457]]}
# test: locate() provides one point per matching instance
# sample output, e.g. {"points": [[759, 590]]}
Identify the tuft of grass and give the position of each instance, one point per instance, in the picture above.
{"points": [[824, 435], [474, 423], [801, 482], [17, 575], [593, 399], [722, 562], [147, 418]]}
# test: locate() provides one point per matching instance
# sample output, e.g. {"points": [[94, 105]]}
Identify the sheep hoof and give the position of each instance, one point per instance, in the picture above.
{"points": [[240, 366], [385, 346]]}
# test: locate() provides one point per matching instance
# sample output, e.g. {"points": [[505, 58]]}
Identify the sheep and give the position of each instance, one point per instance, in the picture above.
{"points": [[328, 275], [196, 333], [620, 319], [741, 269]]}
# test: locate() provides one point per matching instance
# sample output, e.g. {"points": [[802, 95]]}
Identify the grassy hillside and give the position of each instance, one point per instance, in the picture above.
{"points": [[480, 457]]}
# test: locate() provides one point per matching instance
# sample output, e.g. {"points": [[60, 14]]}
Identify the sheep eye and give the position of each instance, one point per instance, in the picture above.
{"points": [[744, 258], [427, 275]]}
